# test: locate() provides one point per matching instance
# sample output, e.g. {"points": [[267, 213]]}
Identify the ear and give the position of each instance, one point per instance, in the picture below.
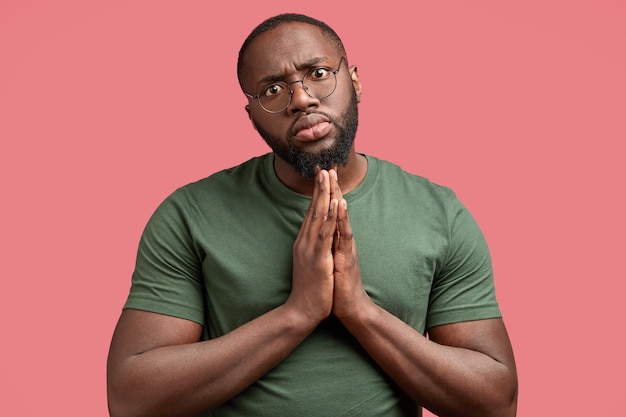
{"points": [[356, 82], [250, 116]]}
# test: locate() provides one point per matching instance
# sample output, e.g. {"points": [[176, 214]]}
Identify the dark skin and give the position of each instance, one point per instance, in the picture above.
{"points": [[159, 367]]}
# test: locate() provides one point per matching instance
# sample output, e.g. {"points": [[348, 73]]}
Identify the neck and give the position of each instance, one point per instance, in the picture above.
{"points": [[349, 176]]}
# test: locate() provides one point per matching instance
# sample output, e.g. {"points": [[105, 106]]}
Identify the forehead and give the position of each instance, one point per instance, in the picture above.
{"points": [[286, 48]]}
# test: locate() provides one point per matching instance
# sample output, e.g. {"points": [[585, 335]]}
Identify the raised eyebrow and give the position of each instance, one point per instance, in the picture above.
{"points": [[311, 63], [306, 65]]}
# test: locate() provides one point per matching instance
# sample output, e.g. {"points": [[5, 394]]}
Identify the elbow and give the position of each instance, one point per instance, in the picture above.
{"points": [[511, 409], [500, 401], [505, 411], [115, 410], [123, 409], [507, 406], [500, 409], [504, 404], [127, 395], [118, 408], [511, 399], [123, 405]]}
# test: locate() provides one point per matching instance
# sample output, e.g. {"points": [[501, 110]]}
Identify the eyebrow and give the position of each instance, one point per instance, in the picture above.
{"points": [[313, 62]]}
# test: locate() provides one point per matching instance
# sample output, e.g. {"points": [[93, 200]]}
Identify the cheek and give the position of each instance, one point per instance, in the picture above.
{"points": [[342, 97], [260, 118], [273, 124]]}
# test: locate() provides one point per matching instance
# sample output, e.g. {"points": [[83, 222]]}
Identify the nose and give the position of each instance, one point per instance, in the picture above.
{"points": [[300, 99]]}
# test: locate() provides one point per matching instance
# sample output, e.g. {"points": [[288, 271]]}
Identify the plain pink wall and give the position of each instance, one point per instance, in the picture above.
{"points": [[107, 106]]}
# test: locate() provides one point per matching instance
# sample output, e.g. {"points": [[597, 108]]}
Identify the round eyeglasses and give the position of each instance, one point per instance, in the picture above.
{"points": [[318, 83]]}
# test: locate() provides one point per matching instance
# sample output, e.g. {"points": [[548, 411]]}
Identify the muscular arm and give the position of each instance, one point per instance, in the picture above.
{"points": [[465, 369], [157, 365]]}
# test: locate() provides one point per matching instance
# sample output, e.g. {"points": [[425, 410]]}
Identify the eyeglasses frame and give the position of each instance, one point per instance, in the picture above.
{"points": [[304, 87]]}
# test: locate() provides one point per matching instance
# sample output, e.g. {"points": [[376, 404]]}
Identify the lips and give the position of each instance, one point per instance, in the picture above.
{"points": [[310, 127]]}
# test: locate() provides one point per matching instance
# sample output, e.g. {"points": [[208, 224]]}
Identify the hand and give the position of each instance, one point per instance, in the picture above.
{"points": [[349, 293], [312, 281]]}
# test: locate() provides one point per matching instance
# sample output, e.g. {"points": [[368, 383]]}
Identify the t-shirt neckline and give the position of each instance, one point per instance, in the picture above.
{"points": [[282, 191]]}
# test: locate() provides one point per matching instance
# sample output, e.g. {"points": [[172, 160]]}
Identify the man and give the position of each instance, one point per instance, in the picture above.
{"points": [[303, 282]]}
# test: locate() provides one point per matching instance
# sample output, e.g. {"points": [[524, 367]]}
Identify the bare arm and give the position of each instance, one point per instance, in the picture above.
{"points": [[157, 365], [466, 369]]}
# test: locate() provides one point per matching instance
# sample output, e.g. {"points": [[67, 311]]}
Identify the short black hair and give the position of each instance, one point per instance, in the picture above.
{"points": [[279, 20]]}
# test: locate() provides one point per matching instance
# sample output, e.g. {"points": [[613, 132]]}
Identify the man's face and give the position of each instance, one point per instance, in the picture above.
{"points": [[310, 132]]}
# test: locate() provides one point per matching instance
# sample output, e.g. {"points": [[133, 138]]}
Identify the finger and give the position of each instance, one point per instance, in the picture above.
{"points": [[345, 239], [329, 227], [322, 223], [320, 201], [312, 211], [335, 190]]}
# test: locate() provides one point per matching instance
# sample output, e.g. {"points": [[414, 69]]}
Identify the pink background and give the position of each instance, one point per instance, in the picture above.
{"points": [[107, 106]]}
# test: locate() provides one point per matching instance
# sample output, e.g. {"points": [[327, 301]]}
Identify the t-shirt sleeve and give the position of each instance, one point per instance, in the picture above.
{"points": [[168, 276], [463, 289]]}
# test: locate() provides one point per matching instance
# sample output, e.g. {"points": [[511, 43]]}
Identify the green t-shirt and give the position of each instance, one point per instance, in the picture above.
{"points": [[219, 252]]}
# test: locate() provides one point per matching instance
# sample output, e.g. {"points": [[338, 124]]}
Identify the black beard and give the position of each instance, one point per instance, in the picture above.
{"points": [[306, 163]]}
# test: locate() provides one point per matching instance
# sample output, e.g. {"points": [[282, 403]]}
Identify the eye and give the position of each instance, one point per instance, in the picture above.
{"points": [[272, 90], [318, 74]]}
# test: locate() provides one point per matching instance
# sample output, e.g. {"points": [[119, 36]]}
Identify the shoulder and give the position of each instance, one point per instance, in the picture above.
{"points": [[211, 193], [407, 185], [226, 183], [245, 171]]}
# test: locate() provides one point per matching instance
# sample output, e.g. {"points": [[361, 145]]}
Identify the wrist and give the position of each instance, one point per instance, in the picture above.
{"points": [[360, 312], [297, 319]]}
